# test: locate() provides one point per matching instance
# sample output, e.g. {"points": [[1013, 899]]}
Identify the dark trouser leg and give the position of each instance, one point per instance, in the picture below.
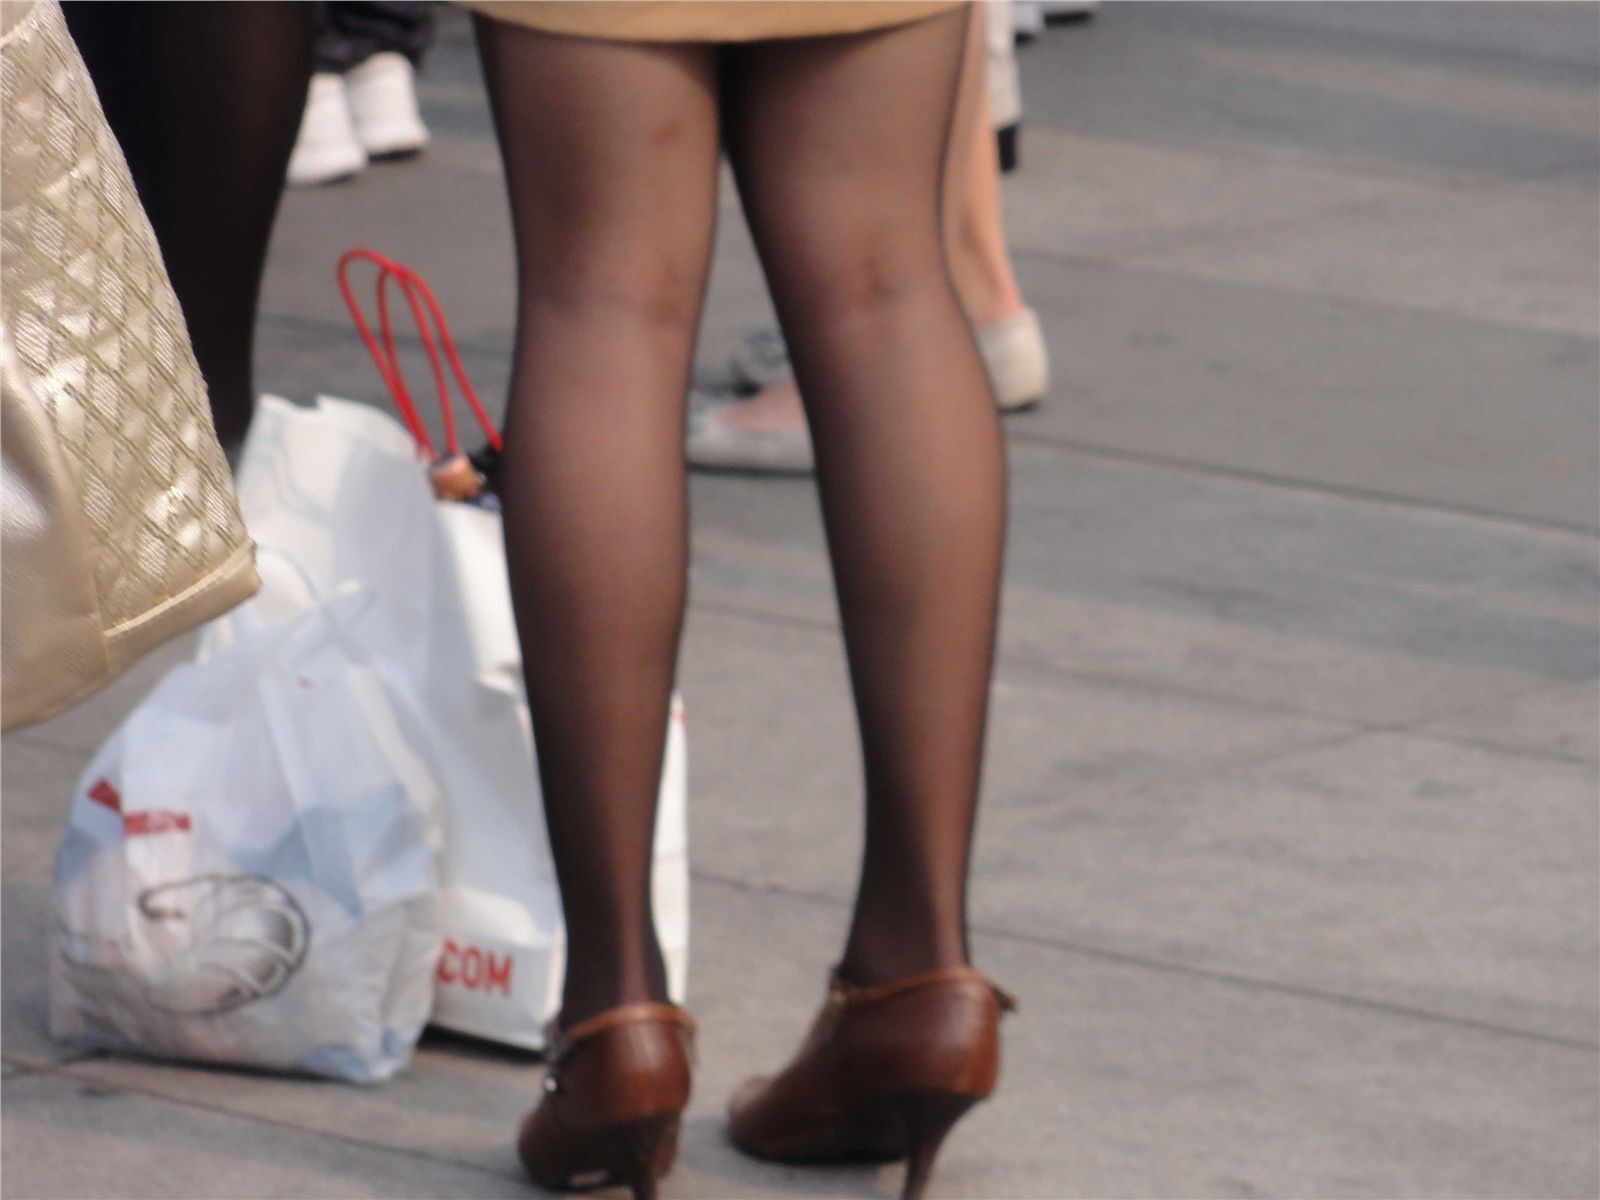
{"points": [[206, 99]]}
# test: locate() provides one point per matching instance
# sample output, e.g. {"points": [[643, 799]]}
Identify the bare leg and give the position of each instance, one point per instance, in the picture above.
{"points": [[611, 160], [975, 237], [840, 145]]}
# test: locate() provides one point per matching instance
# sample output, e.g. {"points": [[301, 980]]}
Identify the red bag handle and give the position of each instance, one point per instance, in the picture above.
{"points": [[387, 357]]}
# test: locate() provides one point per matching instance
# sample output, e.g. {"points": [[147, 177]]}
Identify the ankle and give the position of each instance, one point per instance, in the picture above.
{"points": [[592, 988], [870, 960]]}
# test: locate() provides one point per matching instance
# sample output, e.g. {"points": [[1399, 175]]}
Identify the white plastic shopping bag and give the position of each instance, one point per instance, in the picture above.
{"points": [[250, 869], [338, 489]]}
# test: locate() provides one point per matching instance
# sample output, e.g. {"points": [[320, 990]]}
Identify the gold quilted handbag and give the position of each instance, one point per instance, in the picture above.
{"points": [[118, 523]]}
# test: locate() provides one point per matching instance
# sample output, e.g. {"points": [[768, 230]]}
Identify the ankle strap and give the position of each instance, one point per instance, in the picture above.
{"points": [[843, 993], [560, 1042]]}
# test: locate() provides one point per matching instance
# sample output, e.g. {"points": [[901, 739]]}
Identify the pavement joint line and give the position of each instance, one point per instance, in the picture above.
{"points": [[1225, 231], [1444, 180], [1010, 663], [1248, 475], [1491, 744], [1381, 46], [1168, 238], [1445, 737], [1408, 726], [1577, 165], [1055, 671], [1239, 980], [1143, 458], [287, 1126], [1136, 260]]}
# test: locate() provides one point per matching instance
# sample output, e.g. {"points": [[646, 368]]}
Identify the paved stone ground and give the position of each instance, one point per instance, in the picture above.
{"points": [[1291, 834]]}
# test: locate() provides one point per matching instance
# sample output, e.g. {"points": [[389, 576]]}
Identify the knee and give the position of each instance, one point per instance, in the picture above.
{"points": [[872, 278], [653, 289]]}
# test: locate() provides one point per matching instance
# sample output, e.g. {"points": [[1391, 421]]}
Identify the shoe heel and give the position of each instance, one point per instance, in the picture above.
{"points": [[640, 1153], [927, 1116]]}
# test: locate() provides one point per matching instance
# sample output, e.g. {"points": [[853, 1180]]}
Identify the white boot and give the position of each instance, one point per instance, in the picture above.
{"points": [[1015, 358]]}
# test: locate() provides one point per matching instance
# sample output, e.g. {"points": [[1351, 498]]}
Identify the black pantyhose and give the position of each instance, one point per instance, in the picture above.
{"points": [[839, 146], [205, 99]]}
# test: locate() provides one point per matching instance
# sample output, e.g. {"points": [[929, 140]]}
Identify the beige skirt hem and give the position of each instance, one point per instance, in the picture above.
{"points": [[708, 20]]}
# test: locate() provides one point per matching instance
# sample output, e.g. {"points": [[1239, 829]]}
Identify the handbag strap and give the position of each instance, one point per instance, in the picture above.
{"points": [[424, 305]]}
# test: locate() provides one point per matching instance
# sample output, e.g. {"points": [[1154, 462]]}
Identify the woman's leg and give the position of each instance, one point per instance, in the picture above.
{"points": [[840, 145], [610, 151], [974, 232], [205, 99]]}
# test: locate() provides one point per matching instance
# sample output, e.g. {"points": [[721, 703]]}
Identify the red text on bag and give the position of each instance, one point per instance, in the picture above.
{"points": [[103, 793], [154, 820], [474, 969]]}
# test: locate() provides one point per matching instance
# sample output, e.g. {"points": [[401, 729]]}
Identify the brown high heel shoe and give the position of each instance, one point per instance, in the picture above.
{"points": [[883, 1075], [616, 1088]]}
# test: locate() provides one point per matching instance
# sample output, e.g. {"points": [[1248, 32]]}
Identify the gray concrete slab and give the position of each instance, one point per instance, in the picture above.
{"points": [[1544, 105], [1436, 409], [86, 727], [36, 781], [24, 942], [1492, 38], [1351, 610], [1528, 257], [1523, 256], [1376, 866], [67, 1137], [1435, 876], [1151, 70], [457, 1101], [776, 775], [1119, 1081], [1100, 196]]}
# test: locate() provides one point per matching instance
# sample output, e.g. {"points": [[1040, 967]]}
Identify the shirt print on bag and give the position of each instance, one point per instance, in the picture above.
{"points": [[247, 936]]}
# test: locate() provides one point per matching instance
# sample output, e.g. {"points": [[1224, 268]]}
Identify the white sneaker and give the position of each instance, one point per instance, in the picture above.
{"points": [[326, 148], [383, 100]]}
